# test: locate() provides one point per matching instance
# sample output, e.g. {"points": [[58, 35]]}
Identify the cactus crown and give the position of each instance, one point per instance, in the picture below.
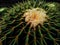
{"points": [[35, 16]]}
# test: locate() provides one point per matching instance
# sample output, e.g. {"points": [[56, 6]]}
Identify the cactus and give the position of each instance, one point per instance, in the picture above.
{"points": [[31, 22]]}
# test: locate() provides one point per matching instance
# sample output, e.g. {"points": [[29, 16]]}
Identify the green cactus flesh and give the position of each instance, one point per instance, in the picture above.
{"points": [[31, 22]]}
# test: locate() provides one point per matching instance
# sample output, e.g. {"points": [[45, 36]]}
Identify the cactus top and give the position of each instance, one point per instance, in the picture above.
{"points": [[35, 16]]}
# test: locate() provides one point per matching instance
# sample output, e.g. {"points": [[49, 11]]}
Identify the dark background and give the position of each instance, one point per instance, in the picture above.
{"points": [[4, 3]]}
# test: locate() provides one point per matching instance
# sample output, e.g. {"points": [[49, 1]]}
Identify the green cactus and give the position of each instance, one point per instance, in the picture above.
{"points": [[31, 22]]}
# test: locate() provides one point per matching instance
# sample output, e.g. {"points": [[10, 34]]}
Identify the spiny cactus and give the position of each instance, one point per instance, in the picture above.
{"points": [[32, 22]]}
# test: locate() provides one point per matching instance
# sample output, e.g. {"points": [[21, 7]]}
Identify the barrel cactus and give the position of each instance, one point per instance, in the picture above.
{"points": [[31, 22]]}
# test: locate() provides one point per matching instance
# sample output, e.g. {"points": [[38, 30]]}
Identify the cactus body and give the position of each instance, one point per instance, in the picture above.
{"points": [[32, 22]]}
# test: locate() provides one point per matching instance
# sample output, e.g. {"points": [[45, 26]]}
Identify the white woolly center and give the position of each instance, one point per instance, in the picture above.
{"points": [[35, 16]]}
